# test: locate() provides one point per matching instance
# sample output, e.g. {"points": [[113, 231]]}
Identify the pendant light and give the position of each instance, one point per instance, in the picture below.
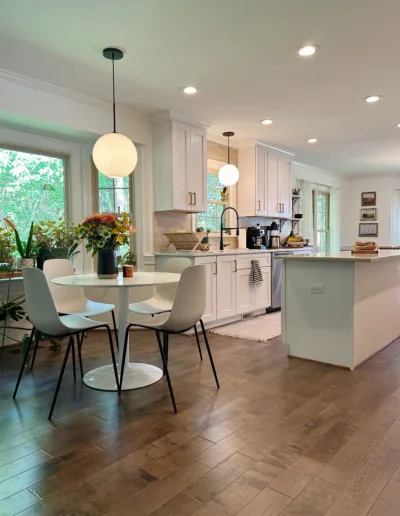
{"points": [[114, 154], [228, 174]]}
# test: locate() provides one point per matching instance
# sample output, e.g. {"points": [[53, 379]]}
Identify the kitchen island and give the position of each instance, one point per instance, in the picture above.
{"points": [[340, 308]]}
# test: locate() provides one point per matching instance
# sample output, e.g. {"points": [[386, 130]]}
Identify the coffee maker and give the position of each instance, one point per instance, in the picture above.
{"points": [[273, 236], [255, 238]]}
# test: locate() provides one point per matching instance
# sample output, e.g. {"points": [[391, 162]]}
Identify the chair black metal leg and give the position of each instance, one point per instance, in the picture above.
{"points": [[37, 338], [198, 342], [80, 337], [70, 344], [113, 359], [171, 392], [122, 364], [79, 346], [209, 352], [73, 358], [165, 348], [21, 371], [159, 344], [115, 328]]}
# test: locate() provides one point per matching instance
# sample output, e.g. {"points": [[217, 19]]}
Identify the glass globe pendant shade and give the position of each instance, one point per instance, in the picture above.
{"points": [[228, 175], [115, 155]]}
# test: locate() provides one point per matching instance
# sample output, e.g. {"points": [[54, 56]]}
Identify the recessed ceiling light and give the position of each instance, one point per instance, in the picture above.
{"points": [[373, 98], [190, 90], [307, 51], [312, 140], [267, 121]]}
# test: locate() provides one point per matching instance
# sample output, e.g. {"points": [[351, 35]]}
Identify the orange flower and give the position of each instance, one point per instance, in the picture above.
{"points": [[10, 223], [108, 217]]}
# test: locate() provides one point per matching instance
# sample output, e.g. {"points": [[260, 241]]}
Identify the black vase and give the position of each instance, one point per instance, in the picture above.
{"points": [[107, 267]]}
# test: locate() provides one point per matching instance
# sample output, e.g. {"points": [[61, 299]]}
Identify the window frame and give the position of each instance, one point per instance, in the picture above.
{"points": [[326, 232], [214, 170], [59, 155]]}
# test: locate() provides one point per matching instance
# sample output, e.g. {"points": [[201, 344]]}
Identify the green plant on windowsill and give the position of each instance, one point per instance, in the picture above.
{"points": [[25, 249], [127, 258], [7, 245], [57, 238]]}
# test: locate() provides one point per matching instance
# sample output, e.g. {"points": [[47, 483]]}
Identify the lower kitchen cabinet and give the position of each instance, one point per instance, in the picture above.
{"points": [[210, 264], [249, 298], [262, 294], [226, 286]]}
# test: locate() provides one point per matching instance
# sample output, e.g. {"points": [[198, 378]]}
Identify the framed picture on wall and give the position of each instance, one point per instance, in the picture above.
{"points": [[368, 214], [368, 199], [368, 230]]}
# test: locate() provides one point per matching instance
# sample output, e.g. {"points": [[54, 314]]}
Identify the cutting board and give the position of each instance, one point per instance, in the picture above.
{"points": [[362, 251]]}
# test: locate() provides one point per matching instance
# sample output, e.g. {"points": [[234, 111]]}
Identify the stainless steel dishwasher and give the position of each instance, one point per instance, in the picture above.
{"points": [[277, 279]]}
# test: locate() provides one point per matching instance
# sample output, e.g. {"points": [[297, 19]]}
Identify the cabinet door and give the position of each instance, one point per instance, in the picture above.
{"points": [[273, 203], [262, 294], [285, 193], [244, 292], [180, 163], [210, 313], [197, 171], [226, 286], [261, 181]]}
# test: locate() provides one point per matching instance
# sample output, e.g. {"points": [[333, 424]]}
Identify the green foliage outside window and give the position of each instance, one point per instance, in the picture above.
{"points": [[211, 219], [31, 188]]}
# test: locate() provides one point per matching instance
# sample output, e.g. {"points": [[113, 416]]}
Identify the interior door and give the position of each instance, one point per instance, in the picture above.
{"points": [[244, 292], [285, 191], [273, 204], [226, 286], [180, 164], [197, 171]]}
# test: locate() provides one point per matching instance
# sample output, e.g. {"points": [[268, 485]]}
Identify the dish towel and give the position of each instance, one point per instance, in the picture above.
{"points": [[256, 274]]}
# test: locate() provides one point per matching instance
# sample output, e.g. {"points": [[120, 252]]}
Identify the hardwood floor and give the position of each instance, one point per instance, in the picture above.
{"points": [[281, 436]]}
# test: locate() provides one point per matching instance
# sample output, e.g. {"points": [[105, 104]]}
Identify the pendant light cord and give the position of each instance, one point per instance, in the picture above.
{"points": [[113, 82], [228, 152]]}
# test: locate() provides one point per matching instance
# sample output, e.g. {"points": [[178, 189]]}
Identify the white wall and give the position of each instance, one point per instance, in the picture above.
{"points": [[385, 188], [314, 175]]}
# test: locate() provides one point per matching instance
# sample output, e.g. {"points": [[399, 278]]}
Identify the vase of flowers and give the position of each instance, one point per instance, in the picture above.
{"points": [[25, 249], [104, 233]]}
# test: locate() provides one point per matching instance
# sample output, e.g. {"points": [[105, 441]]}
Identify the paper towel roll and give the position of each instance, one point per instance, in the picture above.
{"points": [[242, 239]]}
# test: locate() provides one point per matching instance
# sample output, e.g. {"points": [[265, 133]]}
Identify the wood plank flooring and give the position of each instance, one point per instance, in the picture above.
{"points": [[281, 437]]}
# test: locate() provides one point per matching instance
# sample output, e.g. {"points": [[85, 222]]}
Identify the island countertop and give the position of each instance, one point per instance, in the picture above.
{"points": [[345, 256]]}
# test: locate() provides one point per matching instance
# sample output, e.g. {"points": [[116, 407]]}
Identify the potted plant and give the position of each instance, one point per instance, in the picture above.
{"points": [[104, 233], [55, 239], [7, 246], [127, 258], [13, 308], [26, 250]]}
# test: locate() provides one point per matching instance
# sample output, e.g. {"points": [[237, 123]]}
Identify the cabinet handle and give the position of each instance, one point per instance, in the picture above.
{"points": [[283, 208], [190, 199], [235, 262], [216, 269], [259, 205], [195, 199]]}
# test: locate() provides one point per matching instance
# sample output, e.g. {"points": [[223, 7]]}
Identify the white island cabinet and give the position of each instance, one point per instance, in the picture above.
{"points": [[230, 293], [340, 308]]}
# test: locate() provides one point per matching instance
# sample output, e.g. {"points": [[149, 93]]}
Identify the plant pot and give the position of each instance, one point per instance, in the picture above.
{"points": [[9, 260], [107, 267], [25, 262]]}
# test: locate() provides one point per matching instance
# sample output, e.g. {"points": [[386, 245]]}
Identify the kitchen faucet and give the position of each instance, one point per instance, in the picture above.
{"points": [[221, 238]]}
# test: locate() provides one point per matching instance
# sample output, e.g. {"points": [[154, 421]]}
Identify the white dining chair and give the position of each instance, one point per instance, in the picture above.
{"points": [[45, 318], [187, 310], [70, 300], [164, 295]]}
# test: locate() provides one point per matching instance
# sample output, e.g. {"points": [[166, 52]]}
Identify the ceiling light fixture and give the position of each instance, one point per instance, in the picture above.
{"points": [[190, 90], [307, 51], [228, 174], [114, 154], [398, 125], [373, 98], [267, 122], [312, 140]]}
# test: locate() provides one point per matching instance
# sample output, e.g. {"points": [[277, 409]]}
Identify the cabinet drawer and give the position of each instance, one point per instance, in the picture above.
{"points": [[244, 261]]}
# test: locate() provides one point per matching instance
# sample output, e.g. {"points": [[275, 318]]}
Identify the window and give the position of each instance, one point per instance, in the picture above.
{"points": [[321, 201], [211, 219], [115, 196], [31, 185]]}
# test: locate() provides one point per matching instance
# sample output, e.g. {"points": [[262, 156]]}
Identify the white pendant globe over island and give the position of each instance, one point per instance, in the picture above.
{"points": [[114, 154], [228, 174]]}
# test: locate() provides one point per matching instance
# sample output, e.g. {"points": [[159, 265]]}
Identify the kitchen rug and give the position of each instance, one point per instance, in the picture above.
{"points": [[261, 328]]}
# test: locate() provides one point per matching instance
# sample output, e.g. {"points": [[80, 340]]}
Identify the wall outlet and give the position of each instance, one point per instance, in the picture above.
{"points": [[317, 289]]}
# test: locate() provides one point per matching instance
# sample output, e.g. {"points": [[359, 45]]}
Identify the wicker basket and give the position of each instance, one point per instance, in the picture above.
{"points": [[186, 241]]}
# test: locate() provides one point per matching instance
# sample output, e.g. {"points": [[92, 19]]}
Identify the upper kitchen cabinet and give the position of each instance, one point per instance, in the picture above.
{"points": [[180, 166], [264, 184]]}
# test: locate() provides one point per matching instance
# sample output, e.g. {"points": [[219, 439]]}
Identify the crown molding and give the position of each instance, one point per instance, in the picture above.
{"points": [[28, 82], [222, 140], [258, 143], [178, 116], [319, 170]]}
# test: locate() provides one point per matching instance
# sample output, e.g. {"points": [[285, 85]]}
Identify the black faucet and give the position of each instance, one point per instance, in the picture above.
{"points": [[221, 238]]}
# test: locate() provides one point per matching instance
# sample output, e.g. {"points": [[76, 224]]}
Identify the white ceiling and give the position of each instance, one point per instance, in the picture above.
{"points": [[242, 56]]}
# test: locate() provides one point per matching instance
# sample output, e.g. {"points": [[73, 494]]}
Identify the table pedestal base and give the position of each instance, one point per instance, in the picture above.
{"points": [[136, 375]]}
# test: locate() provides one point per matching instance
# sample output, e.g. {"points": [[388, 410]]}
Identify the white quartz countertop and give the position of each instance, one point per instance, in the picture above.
{"points": [[230, 251], [345, 256]]}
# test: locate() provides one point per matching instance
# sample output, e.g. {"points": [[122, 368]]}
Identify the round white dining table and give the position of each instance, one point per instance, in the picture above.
{"points": [[136, 375]]}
